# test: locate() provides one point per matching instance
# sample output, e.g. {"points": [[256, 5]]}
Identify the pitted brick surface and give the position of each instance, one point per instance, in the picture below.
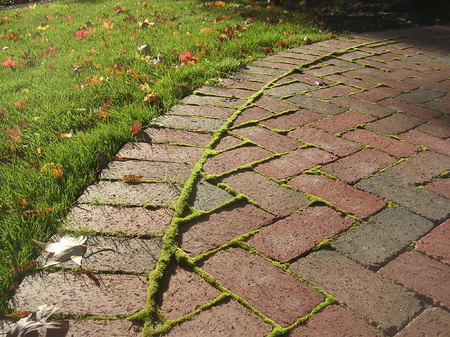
{"points": [[269, 289], [96, 328], [362, 106], [119, 193], [235, 158], [251, 114], [213, 101], [440, 187], [358, 165], [434, 143], [341, 195], [207, 196], [343, 121], [421, 168], [298, 233], [385, 235], [339, 146], [292, 120], [439, 127], [410, 108], [294, 163], [424, 203], [228, 142], [289, 89], [178, 136], [185, 292], [115, 295], [205, 111], [431, 322], [423, 274], [227, 92], [126, 220], [382, 302], [331, 92], [334, 321], [160, 152], [273, 104], [377, 94], [420, 96], [279, 200], [225, 320], [214, 230], [189, 123], [394, 124], [316, 105]]}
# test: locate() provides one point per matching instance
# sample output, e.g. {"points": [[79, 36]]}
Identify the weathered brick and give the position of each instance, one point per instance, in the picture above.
{"points": [[316, 105], [251, 114], [267, 288], [147, 170], [394, 124], [214, 230], [322, 71], [339, 146], [207, 196], [341, 195], [126, 255], [358, 165], [311, 80], [235, 158], [441, 187], [439, 127], [271, 64], [226, 92], [228, 142], [115, 294], [297, 54], [213, 101], [420, 96], [190, 123], [204, 111], [178, 136], [120, 193], [443, 103], [184, 292], [384, 236], [278, 58], [226, 320], [289, 89], [377, 94], [436, 75], [386, 56], [279, 200], [294, 163], [382, 302], [126, 220], [423, 274], [364, 73], [354, 55], [269, 139], [350, 81], [274, 104], [331, 92], [358, 105], [431, 322], [299, 233], [421, 168], [334, 321], [238, 83], [91, 328], [246, 76], [435, 243], [343, 64], [426, 204], [381, 143], [262, 70], [292, 120], [160, 152], [410, 109], [343, 121]]}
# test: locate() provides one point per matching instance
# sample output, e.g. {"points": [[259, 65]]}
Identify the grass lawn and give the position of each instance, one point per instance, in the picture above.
{"points": [[73, 83]]}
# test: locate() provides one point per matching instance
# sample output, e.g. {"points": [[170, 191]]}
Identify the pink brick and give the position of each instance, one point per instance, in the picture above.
{"points": [[178, 136], [422, 274], [267, 288], [327, 70], [439, 127], [377, 94], [435, 243], [343, 196], [328, 93], [350, 81], [95, 328], [205, 111], [441, 187], [185, 292], [358, 165], [250, 114], [334, 321], [339, 146], [389, 145], [431, 322], [343, 121], [294, 163], [299, 233], [292, 120], [409, 108], [310, 79], [227, 92], [269, 139], [274, 104], [434, 143], [227, 142]]}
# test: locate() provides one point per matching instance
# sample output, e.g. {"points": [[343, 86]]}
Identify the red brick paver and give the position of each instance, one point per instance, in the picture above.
{"points": [[435, 243], [431, 322]]}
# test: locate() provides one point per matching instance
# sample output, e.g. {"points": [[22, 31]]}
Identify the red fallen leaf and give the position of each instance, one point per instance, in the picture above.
{"points": [[37, 212], [282, 43], [12, 36], [131, 177], [137, 126], [119, 159], [129, 18], [49, 17], [118, 9], [14, 133], [267, 50], [186, 57], [19, 105], [9, 63], [222, 18], [22, 201], [68, 18], [81, 34], [18, 315], [107, 104]]}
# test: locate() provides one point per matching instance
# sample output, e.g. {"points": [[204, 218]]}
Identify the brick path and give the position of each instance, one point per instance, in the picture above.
{"points": [[308, 196]]}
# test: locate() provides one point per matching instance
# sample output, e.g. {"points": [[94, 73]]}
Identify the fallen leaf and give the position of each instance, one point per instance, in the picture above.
{"points": [[43, 27], [19, 314], [218, 4], [222, 18], [108, 24], [151, 98], [36, 321], [12, 36], [22, 202], [129, 18], [68, 18], [67, 248], [81, 34], [65, 135], [186, 57], [14, 133], [206, 30], [23, 268], [137, 126], [267, 50], [9, 63], [131, 177], [57, 172]]}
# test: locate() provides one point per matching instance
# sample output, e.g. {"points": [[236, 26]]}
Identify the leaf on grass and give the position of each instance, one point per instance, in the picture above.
{"points": [[218, 4], [137, 126], [151, 98], [65, 135], [267, 50], [14, 133], [222, 18], [206, 30], [19, 105], [108, 24]]}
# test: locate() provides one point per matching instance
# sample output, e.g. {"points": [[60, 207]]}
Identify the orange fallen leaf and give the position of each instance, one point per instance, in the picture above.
{"points": [[137, 126], [19, 314], [57, 172], [21, 269], [19, 105], [206, 30], [218, 4], [222, 18], [131, 177], [108, 24], [22, 201], [14, 133], [151, 98]]}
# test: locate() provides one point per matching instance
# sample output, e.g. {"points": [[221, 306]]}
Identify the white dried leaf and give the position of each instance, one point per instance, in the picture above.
{"points": [[67, 248], [33, 322]]}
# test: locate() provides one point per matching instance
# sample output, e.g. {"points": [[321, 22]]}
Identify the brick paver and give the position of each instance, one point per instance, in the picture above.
{"points": [[423, 274], [284, 299], [382, 302], [189, 165]]}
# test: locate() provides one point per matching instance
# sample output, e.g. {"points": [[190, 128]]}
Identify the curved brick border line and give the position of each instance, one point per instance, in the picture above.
{"points": [[314, 148]]}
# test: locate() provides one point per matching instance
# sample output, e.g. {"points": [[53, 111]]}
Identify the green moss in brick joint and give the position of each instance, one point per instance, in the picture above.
{"points": [[150, 314]]}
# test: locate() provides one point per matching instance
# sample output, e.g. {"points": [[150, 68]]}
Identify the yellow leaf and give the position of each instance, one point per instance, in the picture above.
{"points": [[218, 4], [43, 27], [206, 30]]}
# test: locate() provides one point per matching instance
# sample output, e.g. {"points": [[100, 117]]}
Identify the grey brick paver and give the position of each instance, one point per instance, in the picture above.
{"points": [[96, 328]]}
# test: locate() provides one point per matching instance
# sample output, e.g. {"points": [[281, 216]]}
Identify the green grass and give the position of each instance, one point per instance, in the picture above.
{"points": [[58, 100]]}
